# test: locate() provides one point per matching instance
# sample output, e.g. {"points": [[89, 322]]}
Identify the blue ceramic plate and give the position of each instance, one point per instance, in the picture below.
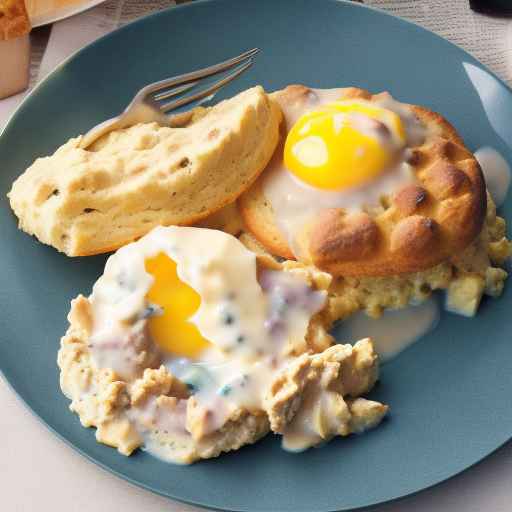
{"points": [[449, 393]]}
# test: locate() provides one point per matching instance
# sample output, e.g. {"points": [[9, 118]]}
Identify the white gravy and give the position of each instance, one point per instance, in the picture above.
{"points": [[394, 331], [496, 171], [248, 317]]}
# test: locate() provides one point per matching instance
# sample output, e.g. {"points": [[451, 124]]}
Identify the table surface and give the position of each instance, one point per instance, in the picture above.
{"points": [[40, 472]]}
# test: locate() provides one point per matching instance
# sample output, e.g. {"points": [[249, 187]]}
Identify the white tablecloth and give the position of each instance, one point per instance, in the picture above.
{"points": [[39, 472]]}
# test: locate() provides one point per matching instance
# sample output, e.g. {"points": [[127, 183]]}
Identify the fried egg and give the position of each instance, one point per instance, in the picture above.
{"points": [[216, 321], [338, 154]]}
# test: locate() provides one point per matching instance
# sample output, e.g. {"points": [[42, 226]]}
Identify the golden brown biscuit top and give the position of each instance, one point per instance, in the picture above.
{"points": [[14, 20], [416, 227]]}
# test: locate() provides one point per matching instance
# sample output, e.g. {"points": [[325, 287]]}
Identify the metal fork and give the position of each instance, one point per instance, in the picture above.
{"points": [[148, 106]]}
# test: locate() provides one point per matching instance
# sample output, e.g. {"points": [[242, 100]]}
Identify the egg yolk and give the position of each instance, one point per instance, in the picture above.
{"points": [[344, 144], [172, 330]]}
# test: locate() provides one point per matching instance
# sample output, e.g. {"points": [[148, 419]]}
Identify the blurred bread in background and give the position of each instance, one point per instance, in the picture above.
{"points": [[14, 47], [39, 8]]}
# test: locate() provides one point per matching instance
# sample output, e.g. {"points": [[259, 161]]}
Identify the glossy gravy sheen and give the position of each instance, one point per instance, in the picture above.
{"points": [[395, 330], [248, 319], [496, 171]]}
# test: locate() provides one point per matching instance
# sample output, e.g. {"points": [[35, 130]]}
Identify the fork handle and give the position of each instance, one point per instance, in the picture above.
{"points": [[134, 114]]}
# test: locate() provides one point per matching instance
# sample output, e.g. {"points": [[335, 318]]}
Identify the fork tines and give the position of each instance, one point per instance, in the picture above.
{"points": [[182, 83]]}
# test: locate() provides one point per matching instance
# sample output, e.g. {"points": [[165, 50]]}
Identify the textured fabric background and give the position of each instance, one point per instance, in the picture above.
{"points": [[487, 38]]}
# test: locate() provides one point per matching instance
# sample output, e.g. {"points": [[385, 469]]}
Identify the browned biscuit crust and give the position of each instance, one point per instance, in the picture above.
{"points": [[258, 216], [415, 229], [14, 20]]}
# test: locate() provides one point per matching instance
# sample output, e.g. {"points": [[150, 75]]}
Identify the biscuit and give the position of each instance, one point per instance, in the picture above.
{"points": [[414, 229], [91, 201], [226, 219]]}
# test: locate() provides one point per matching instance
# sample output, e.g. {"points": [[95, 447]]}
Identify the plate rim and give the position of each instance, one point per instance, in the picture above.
{"points": [[198, 502]]}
